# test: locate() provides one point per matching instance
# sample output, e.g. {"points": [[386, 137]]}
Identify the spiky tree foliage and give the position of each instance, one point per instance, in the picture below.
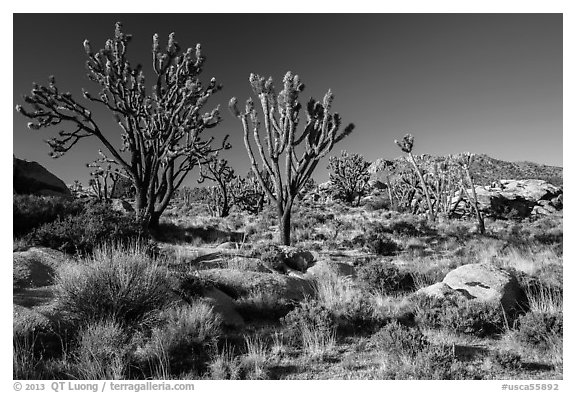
{"points": [[105, 177], [407, 144], [248, 194], [281, 115], [349, 176], [464, 160], [219, 172], [161, 132], [308, 187]]}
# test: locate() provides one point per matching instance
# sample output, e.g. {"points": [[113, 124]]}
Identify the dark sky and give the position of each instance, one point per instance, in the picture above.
{"points": [[485, 83]]}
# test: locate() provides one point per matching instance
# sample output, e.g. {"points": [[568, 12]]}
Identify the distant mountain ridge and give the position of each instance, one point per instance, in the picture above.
{"points": [[486, 169]]}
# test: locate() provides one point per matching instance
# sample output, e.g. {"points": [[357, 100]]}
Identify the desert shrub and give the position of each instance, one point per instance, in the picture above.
{"points": [[432, 363], [102, 351], [377, 239], [460, 316], [536, 328], [254, 361], [263, 305], [32, 211], [182, 341], [381, 245], [26, 363], [83, 232], [385, 277], [377, 204], [507, 360], [407, 354], [271, 255], [311, 314], [116, 283], [312, 326], [399, 339], [351, 307]]}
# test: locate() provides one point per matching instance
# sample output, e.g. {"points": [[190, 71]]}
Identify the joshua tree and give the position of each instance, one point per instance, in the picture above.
{"points": [[406, 145], [464, 160], [220, 173], [162, 131], [349, 176], [281, 116], [248, 194], [105, 177]]}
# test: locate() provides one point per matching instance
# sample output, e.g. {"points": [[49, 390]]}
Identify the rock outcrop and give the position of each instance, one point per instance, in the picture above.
{"points": [[32, 178], [518, 199]]}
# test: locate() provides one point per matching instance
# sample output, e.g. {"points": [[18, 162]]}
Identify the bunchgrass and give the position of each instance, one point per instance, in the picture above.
{"points": [[120, 283]]}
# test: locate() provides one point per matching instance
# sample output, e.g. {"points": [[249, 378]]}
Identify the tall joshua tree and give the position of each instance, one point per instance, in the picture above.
{"points": [[161, 131], [280, 112], [406, 144]]}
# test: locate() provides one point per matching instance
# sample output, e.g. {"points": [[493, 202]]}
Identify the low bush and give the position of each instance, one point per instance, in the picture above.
{"points": [[32, 211], [102, 351], [181, 342], [82, 233], [271, 255], [385, 277], [312, 326], [396, 338], [536, 328], [407, 354], [460, 316], [116, 283], [263, 305]]}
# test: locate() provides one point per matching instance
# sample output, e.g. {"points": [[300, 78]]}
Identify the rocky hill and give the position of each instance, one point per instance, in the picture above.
{"points": [[486, 169]]}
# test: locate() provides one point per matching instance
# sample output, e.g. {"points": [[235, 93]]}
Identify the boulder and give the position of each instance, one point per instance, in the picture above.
{"points": [[229, 246], [26, 321], [121, 206], [442, 290], [224, 306], [488, 283], [36, 267], [236, 283], [340, 268], [296, 258], [32, 178]]}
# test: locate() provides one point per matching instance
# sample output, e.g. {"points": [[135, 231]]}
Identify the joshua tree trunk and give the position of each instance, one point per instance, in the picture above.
{"points": [[431, 215], [284, 225], [474, 202]]}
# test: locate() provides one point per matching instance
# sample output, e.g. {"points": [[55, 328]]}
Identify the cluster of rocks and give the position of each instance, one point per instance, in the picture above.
{"points": [[518, 199]]}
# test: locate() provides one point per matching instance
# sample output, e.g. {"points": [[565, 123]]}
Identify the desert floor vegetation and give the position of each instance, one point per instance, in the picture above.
{"points": [[216, 298]]}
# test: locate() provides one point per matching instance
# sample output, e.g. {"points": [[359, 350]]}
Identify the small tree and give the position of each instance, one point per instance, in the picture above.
{"points": [[104, 178], [248, 194], [406, 145], [281, 115], [219, 172], [162, 131], [349, 176]]}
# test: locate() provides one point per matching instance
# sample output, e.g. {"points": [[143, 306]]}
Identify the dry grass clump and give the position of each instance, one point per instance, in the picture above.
{"points": [[119, 283]]}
